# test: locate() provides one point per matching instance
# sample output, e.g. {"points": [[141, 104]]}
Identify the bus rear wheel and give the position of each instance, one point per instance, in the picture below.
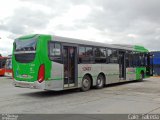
{"points": [[86, 83], [100, 81]]}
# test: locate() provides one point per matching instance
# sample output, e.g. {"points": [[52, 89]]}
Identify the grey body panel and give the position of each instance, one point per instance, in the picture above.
{"points": [[56, 82], [111, 72], [131, 74]]}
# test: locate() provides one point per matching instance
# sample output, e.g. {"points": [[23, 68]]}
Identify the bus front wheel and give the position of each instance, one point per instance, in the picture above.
{"points": [[86, 83]]}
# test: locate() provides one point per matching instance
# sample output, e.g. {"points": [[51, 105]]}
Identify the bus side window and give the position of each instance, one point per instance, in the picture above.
{"points": [[113, 56], [100, 55], [131, 64], [143, 60], [86, 55], [89, 54], [134, 59], [127, 59], [81, 54], [55, 52], [109, 55]]}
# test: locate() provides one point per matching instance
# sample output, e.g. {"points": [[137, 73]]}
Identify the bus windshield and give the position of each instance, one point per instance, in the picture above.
{"points": [[25, 50], [2, 63], [25, 45]]}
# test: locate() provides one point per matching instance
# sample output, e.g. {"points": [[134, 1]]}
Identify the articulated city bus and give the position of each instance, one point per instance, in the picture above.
{"points": [[2, 65], [58, 63], [8, 66]]}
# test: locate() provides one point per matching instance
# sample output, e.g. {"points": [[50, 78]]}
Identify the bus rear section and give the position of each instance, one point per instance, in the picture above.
{"points": [[2, 65], [28, 68]]}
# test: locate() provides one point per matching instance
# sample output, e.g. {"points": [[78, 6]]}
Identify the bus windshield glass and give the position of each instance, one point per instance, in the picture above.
{"points": [[25, 45], [2, 63], [25, 50]]}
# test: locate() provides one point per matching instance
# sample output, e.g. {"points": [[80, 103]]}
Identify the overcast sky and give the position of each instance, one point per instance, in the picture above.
{"points": [[109, 21]]}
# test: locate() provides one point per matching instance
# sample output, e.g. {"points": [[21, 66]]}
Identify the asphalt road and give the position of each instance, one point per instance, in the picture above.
{"points": [[133, 97]]}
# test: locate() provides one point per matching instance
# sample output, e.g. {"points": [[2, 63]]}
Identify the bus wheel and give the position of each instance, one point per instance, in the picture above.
{"points": [[86, 83], [100, 81]]}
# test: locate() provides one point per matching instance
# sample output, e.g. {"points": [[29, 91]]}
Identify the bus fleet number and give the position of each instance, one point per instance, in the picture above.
{"points": [[86, 68]]}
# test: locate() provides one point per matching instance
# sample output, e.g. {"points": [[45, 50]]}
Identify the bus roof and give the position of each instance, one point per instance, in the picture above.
{"points": [[91, 43], [140, 48], [28, 36], [135, 47]]}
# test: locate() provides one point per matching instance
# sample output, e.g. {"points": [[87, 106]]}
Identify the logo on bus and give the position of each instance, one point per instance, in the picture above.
{"points": [[86, 68]]}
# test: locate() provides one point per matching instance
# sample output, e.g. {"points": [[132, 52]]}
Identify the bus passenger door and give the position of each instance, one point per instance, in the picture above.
{"points": [[122, 65], [70, 66]]}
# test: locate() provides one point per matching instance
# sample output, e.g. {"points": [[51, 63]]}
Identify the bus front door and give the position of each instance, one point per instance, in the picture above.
{"points": [[70, 66], [122, 66]]}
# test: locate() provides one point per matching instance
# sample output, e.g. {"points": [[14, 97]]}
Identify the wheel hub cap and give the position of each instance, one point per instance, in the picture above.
{"points": [[85, 83]]}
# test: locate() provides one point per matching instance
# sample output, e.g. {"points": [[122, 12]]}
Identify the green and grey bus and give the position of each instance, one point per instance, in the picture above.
{"points": [[58, 63]]}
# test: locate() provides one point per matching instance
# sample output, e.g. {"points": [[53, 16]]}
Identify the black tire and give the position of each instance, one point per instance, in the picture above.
{"points": [[100, 81], [86, 83]]}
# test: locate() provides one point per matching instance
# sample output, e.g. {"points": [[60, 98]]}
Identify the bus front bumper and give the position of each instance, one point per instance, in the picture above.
{"points": [[32, 85], [8, 74]]}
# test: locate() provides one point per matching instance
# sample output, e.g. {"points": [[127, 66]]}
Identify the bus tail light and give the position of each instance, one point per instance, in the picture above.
{"points": [[41, 73]]}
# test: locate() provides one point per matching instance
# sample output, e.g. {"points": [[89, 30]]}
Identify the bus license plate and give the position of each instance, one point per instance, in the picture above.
{"points": [[25, 76]]}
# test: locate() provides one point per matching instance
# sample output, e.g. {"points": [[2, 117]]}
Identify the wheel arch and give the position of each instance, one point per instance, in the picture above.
{"points": [[143, 73]]}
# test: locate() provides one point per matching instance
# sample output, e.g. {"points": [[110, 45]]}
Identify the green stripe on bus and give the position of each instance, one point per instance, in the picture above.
{"points": [[59, 78], [131, 73]]}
